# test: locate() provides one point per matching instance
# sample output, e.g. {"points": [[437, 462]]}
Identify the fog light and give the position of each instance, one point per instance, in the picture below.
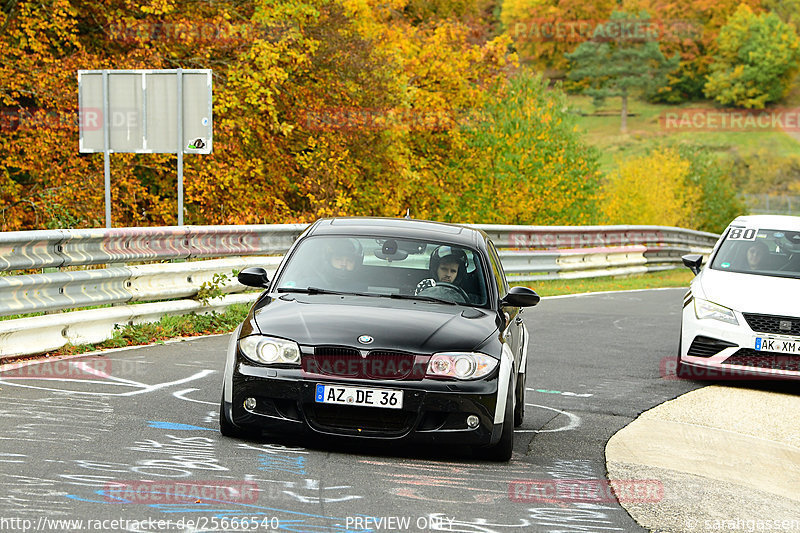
{"points": [[472, 421], [250, 404]]}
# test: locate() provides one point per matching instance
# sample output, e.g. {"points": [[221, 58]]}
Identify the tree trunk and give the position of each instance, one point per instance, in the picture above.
{"points": [[623, 127]]}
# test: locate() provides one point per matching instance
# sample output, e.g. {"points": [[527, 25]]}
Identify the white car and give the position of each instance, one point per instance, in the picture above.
{"points": [[741, 316]]}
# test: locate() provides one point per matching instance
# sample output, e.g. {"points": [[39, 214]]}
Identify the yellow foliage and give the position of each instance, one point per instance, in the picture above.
{"points": [[651, 190]]}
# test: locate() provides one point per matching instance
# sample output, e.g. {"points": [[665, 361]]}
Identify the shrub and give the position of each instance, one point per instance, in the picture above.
{"points": [[719, 199], [681, 185], [652, 189]]}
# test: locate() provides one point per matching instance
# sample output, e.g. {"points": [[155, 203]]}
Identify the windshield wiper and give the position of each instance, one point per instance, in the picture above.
{"points": [[317, 290], [423, 298]]}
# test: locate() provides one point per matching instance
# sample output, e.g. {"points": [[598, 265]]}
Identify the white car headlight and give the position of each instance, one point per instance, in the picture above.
{"points": [[459, 365], [269, 350], [705, 309]]}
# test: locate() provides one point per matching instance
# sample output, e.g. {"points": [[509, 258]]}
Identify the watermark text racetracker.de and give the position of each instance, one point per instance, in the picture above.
{"points": [[194, 523], [223, 33], [762, 368], [72, 368], [580, 30], [172, 492], [699, 119], [586, 490], [25, 119]]}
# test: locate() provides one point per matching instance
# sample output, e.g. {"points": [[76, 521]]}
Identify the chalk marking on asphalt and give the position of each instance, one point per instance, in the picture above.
{"points": [[116, 381], [574, 421], [562, 393], [180, 395]]}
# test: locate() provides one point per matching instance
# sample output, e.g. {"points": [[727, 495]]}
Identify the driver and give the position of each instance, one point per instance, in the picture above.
{"points": [[757, 252], [447, 265]]}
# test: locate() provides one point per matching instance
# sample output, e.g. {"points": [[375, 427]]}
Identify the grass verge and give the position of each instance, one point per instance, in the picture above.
{"points": [[647, 129], [169, 327]]}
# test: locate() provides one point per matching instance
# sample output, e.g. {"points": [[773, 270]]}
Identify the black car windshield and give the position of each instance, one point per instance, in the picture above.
{"points": [[766, 252], [423, 270]]}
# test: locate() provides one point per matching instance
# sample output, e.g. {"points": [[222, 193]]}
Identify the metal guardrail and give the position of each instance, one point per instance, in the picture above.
{"points": [[21, 250], [531, 253], [527, 252]]}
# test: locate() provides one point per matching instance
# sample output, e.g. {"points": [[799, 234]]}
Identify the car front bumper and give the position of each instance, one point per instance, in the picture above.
{"points": [[433, 411], [711, 349]]}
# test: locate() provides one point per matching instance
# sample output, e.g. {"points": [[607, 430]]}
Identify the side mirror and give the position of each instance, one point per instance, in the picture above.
{"points": [[520, 297], [693, 262], [254, 277]]}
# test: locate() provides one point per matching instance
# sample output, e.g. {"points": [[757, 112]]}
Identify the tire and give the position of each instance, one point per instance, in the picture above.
{"points": [[501, 452], [681, 370], [519, 409], [227, 428]]}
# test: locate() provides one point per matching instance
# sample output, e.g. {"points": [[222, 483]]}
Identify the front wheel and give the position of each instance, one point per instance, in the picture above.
{"points": [[519, 409], [501, 452], [227, 428], [681, 370]]}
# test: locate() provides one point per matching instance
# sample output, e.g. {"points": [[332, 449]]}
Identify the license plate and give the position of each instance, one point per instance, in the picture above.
{"points": [[361, 396], [788, 345]]}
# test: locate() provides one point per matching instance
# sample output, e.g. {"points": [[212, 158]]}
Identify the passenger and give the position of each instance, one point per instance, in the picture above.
{"points": [[339, 270]]}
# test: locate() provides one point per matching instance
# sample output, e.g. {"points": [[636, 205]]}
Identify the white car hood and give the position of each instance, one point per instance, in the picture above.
{"points": [[749, 293]]}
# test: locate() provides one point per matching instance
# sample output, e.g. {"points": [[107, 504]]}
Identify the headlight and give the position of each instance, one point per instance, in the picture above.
{"points": [[270, 350], [460, 365], [705, 309]]}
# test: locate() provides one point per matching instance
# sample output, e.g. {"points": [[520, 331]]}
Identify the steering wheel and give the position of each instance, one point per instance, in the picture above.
{"points": [[459, 292]]}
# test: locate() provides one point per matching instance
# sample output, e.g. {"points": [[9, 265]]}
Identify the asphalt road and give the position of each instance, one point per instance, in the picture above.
{"points": [[113, 439]]}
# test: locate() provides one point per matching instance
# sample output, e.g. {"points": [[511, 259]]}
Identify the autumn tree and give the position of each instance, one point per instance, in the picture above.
{"points": [[526, 163], [787, 10], [689, 29], [545, 30], [757, 58], [620, 60], [42, 46], [288, 80]]}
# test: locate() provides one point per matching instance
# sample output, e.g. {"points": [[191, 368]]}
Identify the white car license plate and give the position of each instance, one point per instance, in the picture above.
{"points": [[788, 345], [362, 396]]}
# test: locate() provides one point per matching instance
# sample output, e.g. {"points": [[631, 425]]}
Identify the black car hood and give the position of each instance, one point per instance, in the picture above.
{"points": [[403, 325]]}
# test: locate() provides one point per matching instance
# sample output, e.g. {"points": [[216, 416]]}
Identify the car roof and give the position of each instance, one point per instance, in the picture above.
{"points": [[783, 222], [399, 228]]}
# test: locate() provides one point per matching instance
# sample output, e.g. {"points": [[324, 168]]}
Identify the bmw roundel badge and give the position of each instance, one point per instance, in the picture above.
{"points": [[365, 339]]}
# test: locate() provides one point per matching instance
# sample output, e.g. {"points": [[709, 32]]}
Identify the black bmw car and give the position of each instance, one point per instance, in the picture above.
{"points": [[382, 329]]}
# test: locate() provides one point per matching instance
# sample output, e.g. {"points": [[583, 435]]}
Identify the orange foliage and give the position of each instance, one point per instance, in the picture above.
{"points": [[288, 78]]}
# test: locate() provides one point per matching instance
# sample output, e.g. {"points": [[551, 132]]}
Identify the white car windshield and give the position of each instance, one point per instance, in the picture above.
{"points": [[766, 252], [386, 267]]}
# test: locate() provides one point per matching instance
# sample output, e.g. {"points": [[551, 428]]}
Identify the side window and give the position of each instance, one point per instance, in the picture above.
{"points": [[497, 270]]}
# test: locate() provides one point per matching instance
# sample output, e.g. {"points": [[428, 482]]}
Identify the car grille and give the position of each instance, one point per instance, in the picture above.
{"points": [[769, 360], [361, 418], [346, 362], [706, 346], [773, 323]]}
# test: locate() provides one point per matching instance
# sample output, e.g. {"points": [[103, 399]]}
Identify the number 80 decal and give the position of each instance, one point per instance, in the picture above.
{"points": [[742, 234]]}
